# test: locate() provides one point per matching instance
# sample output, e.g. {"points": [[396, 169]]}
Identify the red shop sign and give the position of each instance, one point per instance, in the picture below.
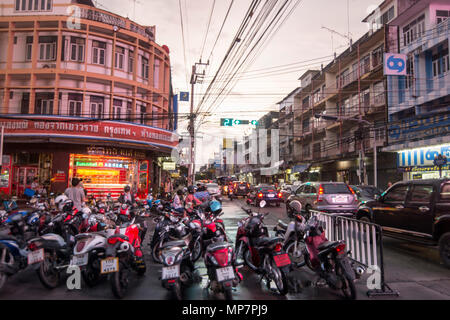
{"points": [[108, 130]]}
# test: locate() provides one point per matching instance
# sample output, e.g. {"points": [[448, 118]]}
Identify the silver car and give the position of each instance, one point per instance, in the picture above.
{"points": [[330, 197]]}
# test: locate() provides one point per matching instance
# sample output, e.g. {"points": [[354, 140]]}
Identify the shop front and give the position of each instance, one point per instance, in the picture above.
{"points": [[106, 155], [418, 163]]}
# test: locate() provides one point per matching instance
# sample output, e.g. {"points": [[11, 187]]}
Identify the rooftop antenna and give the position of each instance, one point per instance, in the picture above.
{"points": [[340, 34]]}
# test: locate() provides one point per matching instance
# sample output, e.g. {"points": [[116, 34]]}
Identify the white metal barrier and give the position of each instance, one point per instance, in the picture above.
{"points": [[363, 240]]}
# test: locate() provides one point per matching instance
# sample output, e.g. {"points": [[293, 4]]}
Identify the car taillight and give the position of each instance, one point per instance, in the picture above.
{"points": [[280, 195], [340, 249], [32, 246], [260, 195], [320, 194], [278, 247], [353, 192]]}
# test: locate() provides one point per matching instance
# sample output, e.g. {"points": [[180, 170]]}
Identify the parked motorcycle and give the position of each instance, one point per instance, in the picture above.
{"points": [[293, 233], [329, 259], [123, 254], [263, 254], [178, 270]]}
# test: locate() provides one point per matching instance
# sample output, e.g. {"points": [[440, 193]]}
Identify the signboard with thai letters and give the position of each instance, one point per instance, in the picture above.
{"points": [[421, 157], [104, 130]]}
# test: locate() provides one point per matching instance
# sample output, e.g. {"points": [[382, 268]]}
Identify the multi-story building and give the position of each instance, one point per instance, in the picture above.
{"points": [[83, 93], [419, 103], [287, 133]]}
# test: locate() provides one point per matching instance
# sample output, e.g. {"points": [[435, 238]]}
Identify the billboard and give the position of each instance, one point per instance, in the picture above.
{"points": [[394, 64]]}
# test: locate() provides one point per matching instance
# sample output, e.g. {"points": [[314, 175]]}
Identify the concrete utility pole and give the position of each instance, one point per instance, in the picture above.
{"points": [[195, 78], [360, 135]]}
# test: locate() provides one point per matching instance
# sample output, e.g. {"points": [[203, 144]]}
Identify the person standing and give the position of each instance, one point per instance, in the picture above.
{"points": [[178, 202], [76, 194]]}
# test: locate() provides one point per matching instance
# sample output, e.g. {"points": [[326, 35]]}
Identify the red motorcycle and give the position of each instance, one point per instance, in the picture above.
{"points": [[123, 253], [263, 254], [223, 274]]}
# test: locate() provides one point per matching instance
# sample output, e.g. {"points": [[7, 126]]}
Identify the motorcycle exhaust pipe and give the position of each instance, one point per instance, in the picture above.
{"points": [[359, 270]]}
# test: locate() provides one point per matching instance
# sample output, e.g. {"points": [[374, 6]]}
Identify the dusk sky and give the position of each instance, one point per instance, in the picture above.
{"points": [[301, 39]]}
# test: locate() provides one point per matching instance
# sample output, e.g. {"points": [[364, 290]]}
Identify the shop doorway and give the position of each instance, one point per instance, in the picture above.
{"points": [[22, 179]]}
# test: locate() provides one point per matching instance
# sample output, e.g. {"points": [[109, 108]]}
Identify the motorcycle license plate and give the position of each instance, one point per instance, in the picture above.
{"points": [[282, 260], [109, 265], [79, 260], [170, 272], [224, 274], [35, 256]]}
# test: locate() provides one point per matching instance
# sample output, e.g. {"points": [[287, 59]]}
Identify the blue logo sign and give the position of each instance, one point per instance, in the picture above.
{"points": [[184, 96], [394, 64]]}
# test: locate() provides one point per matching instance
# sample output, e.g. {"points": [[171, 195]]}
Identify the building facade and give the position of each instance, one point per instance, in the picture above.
{"points": [[83, 93], [419, 103]]}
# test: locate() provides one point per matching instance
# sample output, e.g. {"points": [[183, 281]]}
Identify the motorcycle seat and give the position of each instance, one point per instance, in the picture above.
{"points": [[266, 241], [326, 245], [282, 225], [179, 243], [217, 246], [122, 236]]}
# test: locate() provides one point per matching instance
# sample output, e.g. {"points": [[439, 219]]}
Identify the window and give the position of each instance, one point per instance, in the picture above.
{"points": [[29, 49], [117, 109], [44, 103], [75, 104], [409, 72], [421, 194], [47, 48], [144, 68], [445, 191], [441, 16], [156, 69], [119, 57], [130, 61], [364, 65], [338, 188], [414, 30], [97, 108], [377, 57], [440, 63], [129, 111], [98, 53], [396, 194], [143, 114], [77, 49], [33, 5]]}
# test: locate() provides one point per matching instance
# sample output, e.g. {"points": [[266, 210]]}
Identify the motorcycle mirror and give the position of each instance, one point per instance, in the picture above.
{"points": [[262, 204]]}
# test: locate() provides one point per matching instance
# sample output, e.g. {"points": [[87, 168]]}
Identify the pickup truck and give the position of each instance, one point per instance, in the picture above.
{"points": [[417, 210]]}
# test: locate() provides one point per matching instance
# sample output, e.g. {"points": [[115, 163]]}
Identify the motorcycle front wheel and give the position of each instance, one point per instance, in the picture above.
{"points": [[6, 259], [91, 275], [296, 253], [155, 251], [120, 280], [196, 250], [48, 274]]}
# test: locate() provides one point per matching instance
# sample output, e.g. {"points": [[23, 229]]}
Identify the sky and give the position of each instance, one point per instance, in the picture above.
{"points": [[300, 39]]}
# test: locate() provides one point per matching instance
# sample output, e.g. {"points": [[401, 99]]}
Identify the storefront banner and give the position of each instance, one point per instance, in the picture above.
{"points": [[107, 130], [422, 156], [423, 169], [419, 128]]}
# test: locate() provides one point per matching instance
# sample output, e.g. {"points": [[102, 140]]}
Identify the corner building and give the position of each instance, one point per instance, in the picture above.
{"points": [[88, 98]]}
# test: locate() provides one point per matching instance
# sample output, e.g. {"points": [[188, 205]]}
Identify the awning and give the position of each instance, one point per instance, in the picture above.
{"points": [[300, 168]]}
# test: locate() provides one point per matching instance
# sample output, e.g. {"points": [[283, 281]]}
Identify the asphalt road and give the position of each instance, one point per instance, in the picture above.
{"points": [[412, 270]]}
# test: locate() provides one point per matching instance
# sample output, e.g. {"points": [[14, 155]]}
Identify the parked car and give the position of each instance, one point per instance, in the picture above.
{"points": [[417, 210], [241, 189], [267, 193], [366, 193], [330, 197]]}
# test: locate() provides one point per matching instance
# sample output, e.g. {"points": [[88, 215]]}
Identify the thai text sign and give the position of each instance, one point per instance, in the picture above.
{"points": [[422, 156], [110, 130]]}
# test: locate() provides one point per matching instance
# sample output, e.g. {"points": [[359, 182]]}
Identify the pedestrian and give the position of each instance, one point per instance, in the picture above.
{"points": [[35, 185], [127, 196], [178, 202], [76, 194], [389, 184]]}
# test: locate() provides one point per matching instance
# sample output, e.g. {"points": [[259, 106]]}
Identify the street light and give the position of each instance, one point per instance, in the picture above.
{"points": [[360, 121]]}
